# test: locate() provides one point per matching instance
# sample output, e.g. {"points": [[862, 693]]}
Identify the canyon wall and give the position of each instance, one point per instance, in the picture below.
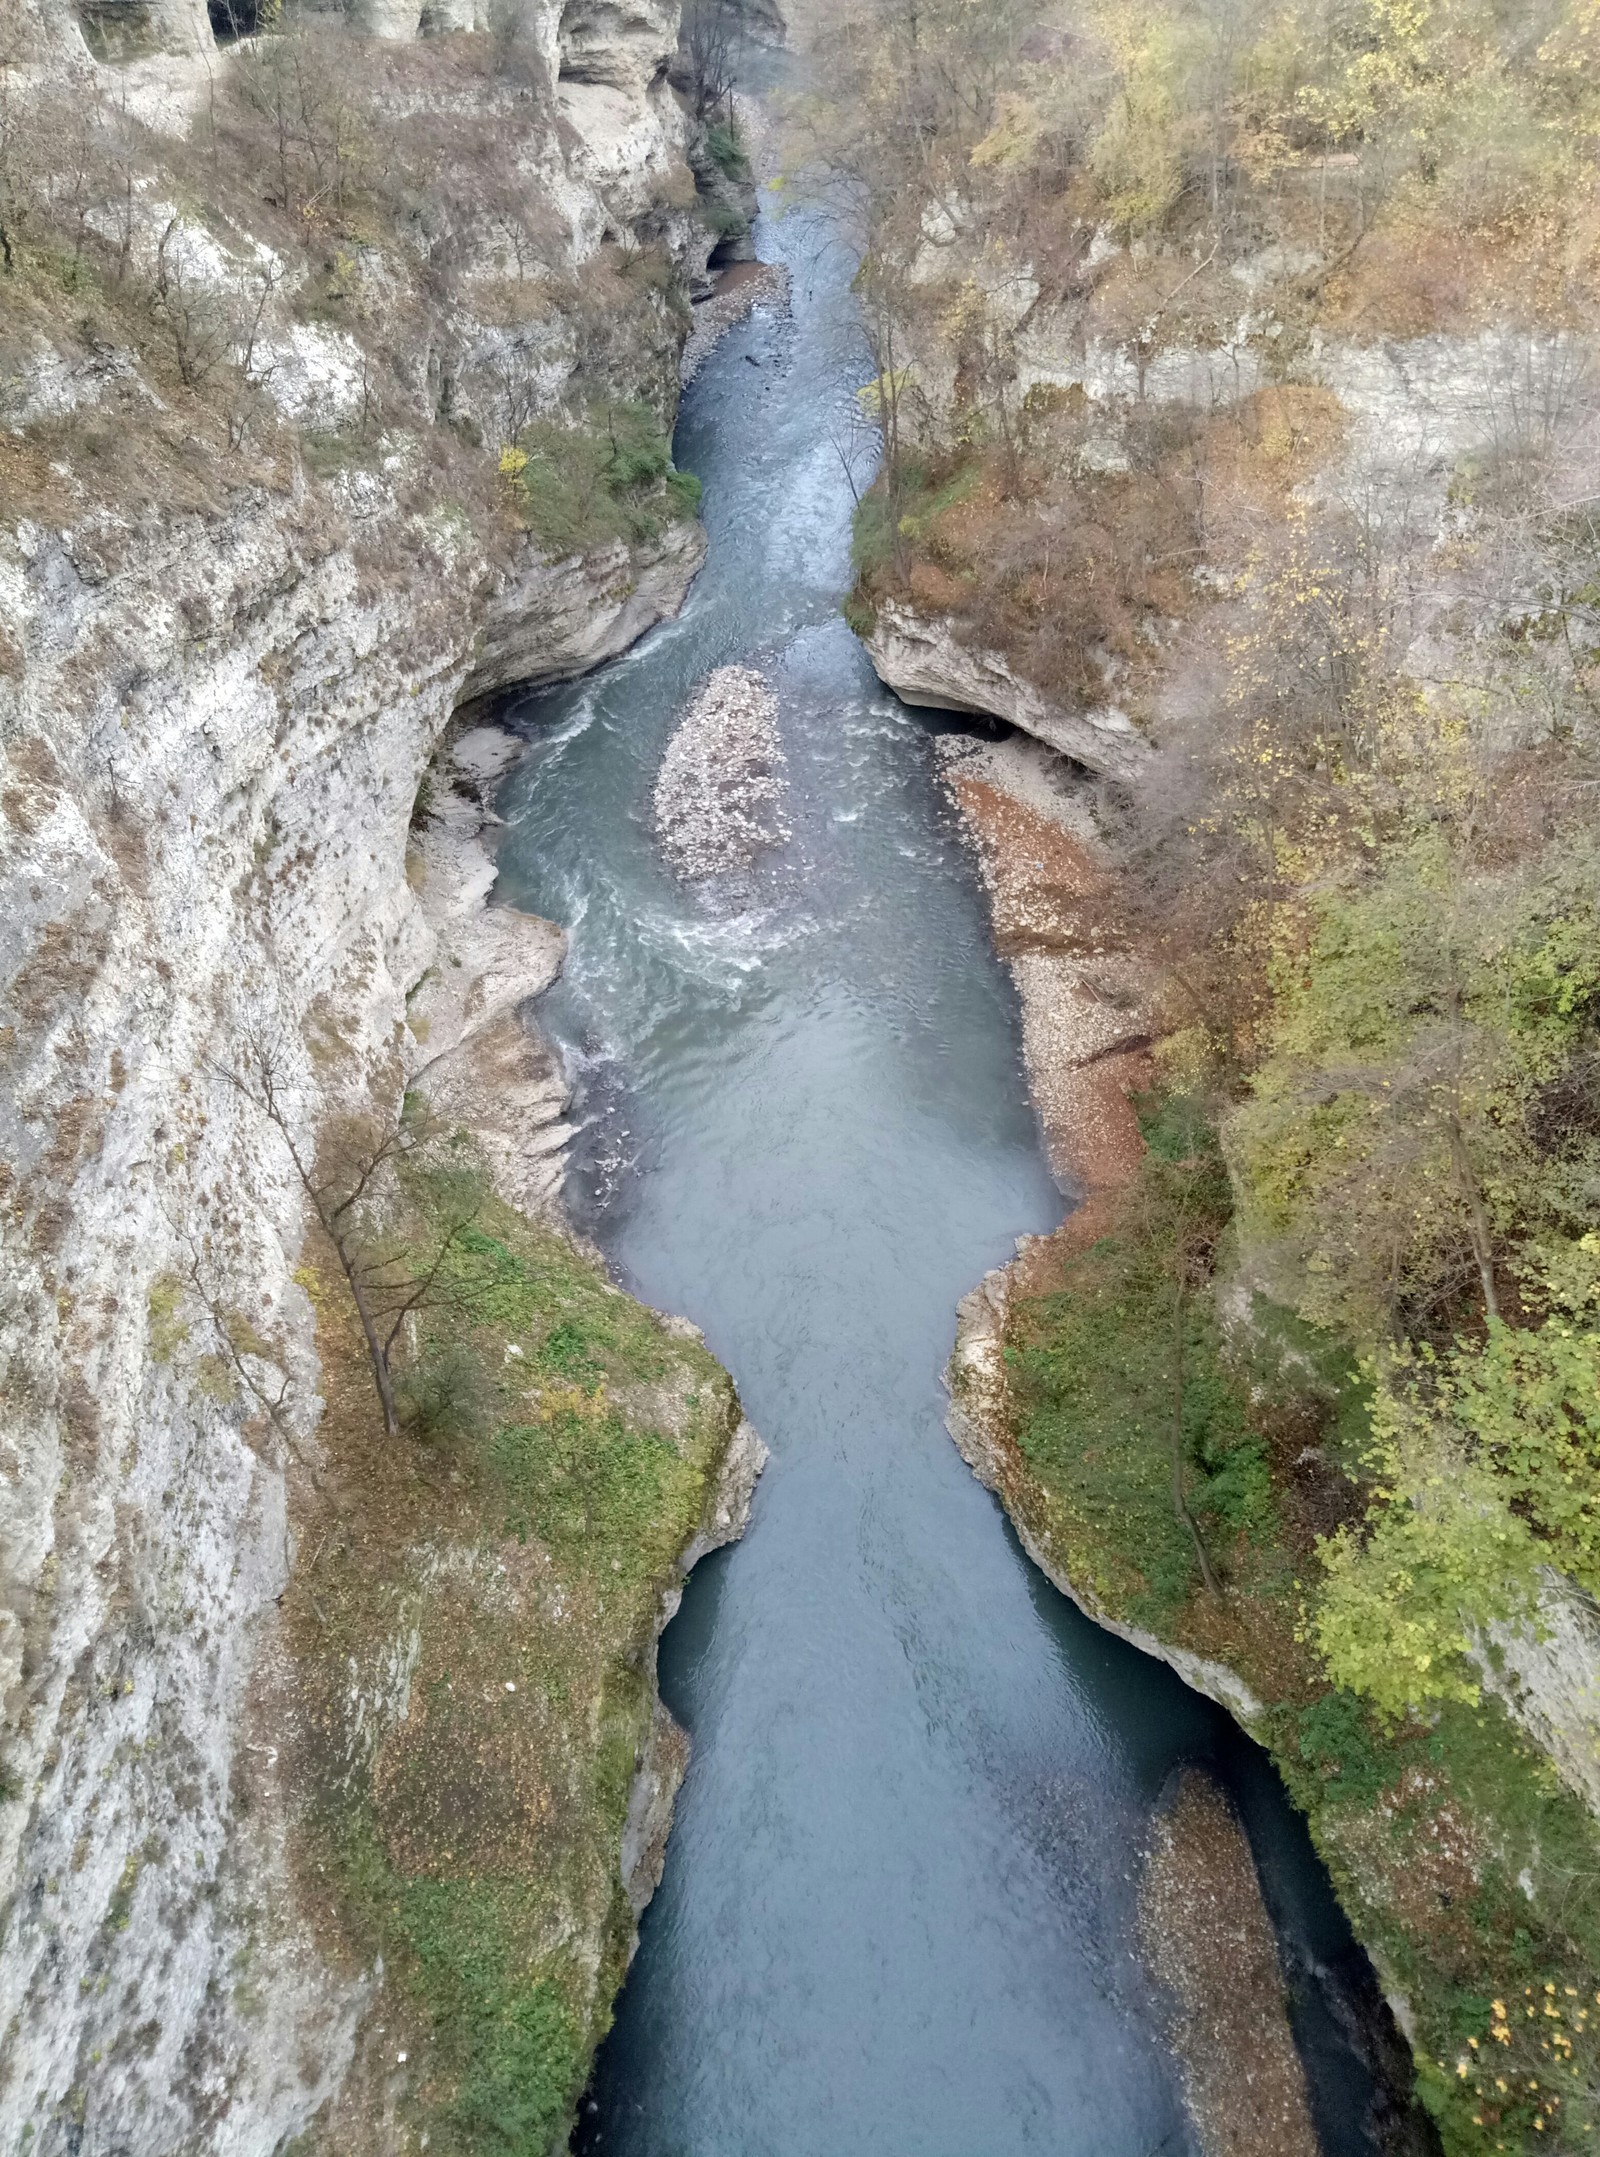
{"points": [[1239, 436], [239, 604]]}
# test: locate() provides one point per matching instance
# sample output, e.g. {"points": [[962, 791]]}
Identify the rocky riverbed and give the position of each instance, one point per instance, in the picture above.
{"points": [[1207, 1942], [719, 793], [1084, 1031], [741, 290]]}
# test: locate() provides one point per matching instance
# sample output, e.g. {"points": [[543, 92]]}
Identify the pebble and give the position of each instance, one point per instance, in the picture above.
{"points": [[719, 792], [763, 284]]}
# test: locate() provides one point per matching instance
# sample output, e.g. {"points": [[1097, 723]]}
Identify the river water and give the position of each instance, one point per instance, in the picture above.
{"points": [[898, 1910]]}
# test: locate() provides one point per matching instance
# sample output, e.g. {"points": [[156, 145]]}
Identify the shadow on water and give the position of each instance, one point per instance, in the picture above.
{"points": [[898, 1909]]}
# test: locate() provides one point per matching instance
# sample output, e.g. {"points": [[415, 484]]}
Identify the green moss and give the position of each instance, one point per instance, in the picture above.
{"points": [[120, 1909], [521, 1546], [167, 1332]]}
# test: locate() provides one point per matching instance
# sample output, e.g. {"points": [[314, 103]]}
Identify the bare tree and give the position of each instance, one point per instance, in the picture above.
{"points": [[881, 320], [519, 394], [188, 306], [346, 1183], [13, 185], [256, 294], [707, 41]]}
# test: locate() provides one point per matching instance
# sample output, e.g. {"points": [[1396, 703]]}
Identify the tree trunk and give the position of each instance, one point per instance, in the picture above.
{"points": [[1477, 1219], [1180, 1503], [377, 1354]]}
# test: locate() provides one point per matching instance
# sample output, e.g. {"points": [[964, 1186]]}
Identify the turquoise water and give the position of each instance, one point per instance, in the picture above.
{"points": [[899, 1899]]}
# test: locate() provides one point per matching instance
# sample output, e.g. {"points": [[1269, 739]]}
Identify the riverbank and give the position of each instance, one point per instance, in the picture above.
{"points": [[1083, 989], [466, 1666], [1453, 1843]]}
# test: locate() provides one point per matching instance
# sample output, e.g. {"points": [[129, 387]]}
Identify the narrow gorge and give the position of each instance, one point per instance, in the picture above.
{"points": [[641, 674]]}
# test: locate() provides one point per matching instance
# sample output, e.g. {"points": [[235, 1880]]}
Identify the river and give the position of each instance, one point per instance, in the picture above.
{"points": [[898, 1910]]}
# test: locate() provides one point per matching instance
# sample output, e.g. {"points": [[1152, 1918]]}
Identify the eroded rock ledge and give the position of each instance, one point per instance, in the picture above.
{"points": [[924, 662]]}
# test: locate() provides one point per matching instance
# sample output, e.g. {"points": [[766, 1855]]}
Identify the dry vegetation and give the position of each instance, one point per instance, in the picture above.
{"points": [[349, 259], [1234, 362]]}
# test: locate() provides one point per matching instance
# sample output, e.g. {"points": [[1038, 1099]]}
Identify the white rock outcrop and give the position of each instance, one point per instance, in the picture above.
{"points": [[590, 607], [923, 663], [214, 722]]}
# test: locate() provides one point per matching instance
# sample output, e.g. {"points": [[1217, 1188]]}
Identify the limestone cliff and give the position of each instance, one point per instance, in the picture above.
{"points": [[245, 582]]}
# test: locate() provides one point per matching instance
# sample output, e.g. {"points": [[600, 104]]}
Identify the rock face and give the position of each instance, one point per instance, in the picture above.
{"points": [[213, 859], [590, 607], [666, 1757], [923, 663], [490, 1072], [215, 722]]}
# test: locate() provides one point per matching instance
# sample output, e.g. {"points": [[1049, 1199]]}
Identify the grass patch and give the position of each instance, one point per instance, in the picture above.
{"points": [[888, 525], [472, 1653], [1092, 1371], [511, 2042], [1122, 1367], [329, 455]]}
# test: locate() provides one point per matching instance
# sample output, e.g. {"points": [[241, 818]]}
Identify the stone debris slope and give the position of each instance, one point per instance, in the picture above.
{"points": [[719, 793], [1207, 1938], [1085, 1026]]}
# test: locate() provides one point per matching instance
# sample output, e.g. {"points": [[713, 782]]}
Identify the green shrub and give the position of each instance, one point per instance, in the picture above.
{"points": [[329, 454], [1337, 1742], [723, 219], [579, 488], [445, 1395], [684, 491], [725, 147]]}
